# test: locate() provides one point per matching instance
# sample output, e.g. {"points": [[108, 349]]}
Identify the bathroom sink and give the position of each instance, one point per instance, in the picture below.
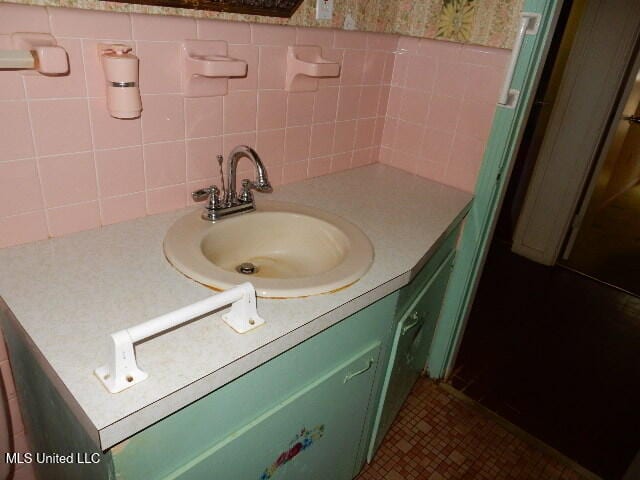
{"points": [[284, 250]]}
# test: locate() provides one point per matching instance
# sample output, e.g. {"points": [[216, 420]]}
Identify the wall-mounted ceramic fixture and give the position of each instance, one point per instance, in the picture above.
{"points": [[35, 52], [206, 68], [305, 66], [121, 73]]}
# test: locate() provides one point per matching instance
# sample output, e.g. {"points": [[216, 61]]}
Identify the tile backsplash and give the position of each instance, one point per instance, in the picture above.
{"points": [[441, 104], [66, 165]]}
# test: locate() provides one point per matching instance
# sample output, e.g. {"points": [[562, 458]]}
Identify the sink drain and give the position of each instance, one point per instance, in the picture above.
{"points": [[247, 268]]}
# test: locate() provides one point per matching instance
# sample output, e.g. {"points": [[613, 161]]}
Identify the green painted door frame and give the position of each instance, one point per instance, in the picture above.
{"points": [[506, 133]]}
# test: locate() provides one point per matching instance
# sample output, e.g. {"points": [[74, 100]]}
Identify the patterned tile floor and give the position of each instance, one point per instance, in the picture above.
{"points": [[439, 436]]}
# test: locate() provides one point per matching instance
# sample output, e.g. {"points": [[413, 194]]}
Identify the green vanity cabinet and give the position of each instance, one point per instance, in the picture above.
{"points": [[314, 434], [412, 340], [310, 412]]}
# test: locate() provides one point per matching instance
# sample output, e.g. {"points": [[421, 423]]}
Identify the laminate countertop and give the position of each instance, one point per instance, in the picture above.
{"points": [[69, 294]]}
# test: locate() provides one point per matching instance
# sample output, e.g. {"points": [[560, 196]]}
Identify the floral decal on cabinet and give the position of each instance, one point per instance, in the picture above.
{"points": [[303, 440]]}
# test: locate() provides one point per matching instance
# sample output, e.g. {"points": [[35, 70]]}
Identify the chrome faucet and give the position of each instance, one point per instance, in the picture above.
{"points": [[231, 203]]}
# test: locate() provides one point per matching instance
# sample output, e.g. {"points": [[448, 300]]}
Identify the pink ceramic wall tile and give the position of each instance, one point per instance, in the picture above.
{"points": [[323, 37], [385, 156], [300, 108], [23, 18], [346, 39], [70, 85], [120, 171], [400, 67], [421, 73], [239, 112], [109, 132], [487, 56], [262, 34], [322, 139], [348, 102], [270, 147], [296, 144], [382, 41], [341, 161], [389, 132], [395, 98], [23, 228], [409, 44], [431, 170], [383, 102], [407, 161], [250, 54], [162, 118], [319, 166], [272, 109], [272, 70], [352, 67], [294, 172], [377, 132], [19, 187], [373, 68], [363, 157], [202, 158], [345, 136], [159, 67], [61, 126], [161, 27], [203, 116], [451, 79], [484, 83], [68, 179], [165, 164], [71, 22], [463, 167], [408, 137], [121, 209], [365, 132], [389, 64], [414, 106], [476, 118], [326, 106], [232, 32], [15, 131], [436, 146], [73, 218], [444, 112], [166, 199], [439, 49]]}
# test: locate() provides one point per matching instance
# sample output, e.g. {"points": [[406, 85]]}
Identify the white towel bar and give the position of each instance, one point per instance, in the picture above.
{"points": [[122, 370]]}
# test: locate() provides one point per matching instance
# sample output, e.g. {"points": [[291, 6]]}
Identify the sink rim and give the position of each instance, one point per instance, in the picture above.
{"points": [[185, 254]]}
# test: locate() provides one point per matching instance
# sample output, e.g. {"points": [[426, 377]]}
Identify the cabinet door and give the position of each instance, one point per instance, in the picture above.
{"points": [[314, 434], [410, 349]]}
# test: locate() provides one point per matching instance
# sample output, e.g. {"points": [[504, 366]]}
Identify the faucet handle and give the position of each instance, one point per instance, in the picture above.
{"points": [[246, 196], [212, 193]]}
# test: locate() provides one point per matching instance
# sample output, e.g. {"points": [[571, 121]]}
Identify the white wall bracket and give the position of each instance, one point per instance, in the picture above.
{"points": [[122, 370]]}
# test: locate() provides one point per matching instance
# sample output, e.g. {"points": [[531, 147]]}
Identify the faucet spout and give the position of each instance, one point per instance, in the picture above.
{"points": [[261, 183]]}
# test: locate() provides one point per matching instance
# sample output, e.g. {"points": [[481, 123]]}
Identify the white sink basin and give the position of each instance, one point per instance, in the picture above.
{"points": [[286, 250]]}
